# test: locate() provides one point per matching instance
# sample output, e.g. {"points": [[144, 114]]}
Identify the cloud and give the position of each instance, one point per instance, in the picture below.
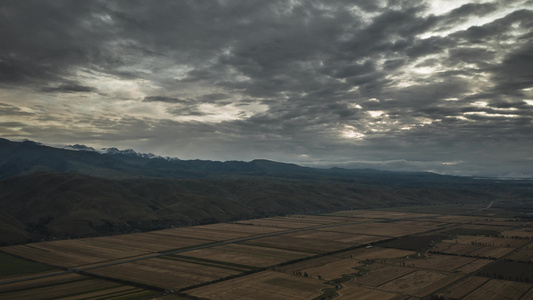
{"points": [[69, 88], [187, 111], [11, 110], [163, 99], [276, 79]]}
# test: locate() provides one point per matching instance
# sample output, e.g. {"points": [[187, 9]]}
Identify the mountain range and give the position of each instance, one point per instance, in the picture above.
{"points": [[77, 191]]}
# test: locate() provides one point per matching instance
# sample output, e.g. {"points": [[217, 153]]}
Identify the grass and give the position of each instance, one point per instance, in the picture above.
{"points": [[11, 265]]}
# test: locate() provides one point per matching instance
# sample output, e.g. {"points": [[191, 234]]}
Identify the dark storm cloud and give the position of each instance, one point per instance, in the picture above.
{"points": [[69, 88], [186, 111], [212, 97], [41, 42], [464, 12], [163, 99], [380, 80], [516, 71]]}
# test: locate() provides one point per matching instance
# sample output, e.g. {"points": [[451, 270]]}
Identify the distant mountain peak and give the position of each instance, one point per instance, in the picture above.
{"points": [[79, 147], [26, 141], [131, 153]]}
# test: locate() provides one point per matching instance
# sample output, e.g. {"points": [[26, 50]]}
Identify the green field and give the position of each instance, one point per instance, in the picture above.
{"points": [[11, 265]]}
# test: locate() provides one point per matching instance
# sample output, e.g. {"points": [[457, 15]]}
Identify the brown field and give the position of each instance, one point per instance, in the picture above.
{"points": [[375, 253], [69, 286], [390, 272], [72, 253], [147, 242], [482, 228], [380, 214], [474, 266], [422, 223], [421, 283], [353, 239], [39, 282], [333, 269], [491, 252], [321, 235], [525, 255], [324, 219], [351, 291], [247, 255], [262, 285], [523, 233], [383, 229], [383, 275], [487, 241], [213, 234], [453, 248], [299, 244], [436, 262], [463, 287], [283, 223], [192, 233], [501, 221], [456, 219], [528, 295], [499, 289], [363, 239], [308, 264], [240, 228], [218, 232], [164, 273], [475, 251]]}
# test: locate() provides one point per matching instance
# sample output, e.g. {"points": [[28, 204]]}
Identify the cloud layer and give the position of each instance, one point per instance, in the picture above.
{"points": [[444, 86]]}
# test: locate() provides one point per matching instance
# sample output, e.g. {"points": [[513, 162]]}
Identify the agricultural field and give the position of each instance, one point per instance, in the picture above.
{"points": [[462, 288], [359, 292], [382, 274], [11, 266], [421, 283], [71, 286], [524, 254], [315, 246], [387, 229], [72, 253], [218, 232], [282, 223], [263, 285], [500, 289], [361, 254], [166, 273], [521, 233], [255, 256]]}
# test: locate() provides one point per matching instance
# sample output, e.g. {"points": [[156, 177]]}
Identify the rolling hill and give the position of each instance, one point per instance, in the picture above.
{"points": [[48, 193]]}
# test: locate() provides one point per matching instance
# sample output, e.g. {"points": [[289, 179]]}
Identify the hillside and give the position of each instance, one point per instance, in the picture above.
{"points": [[48, 193], [65, 205]]}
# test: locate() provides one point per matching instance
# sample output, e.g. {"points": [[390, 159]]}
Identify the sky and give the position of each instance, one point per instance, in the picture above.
{"points": [[443, 86]]}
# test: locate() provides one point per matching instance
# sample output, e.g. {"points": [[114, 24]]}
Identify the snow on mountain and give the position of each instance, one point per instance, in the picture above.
{"points": [[129, 152], [79, 147], [115, 151]]}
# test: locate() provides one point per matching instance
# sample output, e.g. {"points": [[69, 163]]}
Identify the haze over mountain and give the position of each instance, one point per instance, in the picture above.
{"points": [[48, 192], [419, 85]]}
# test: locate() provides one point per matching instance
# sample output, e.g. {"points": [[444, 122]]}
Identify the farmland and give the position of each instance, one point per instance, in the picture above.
{"points": [[363, 254]]}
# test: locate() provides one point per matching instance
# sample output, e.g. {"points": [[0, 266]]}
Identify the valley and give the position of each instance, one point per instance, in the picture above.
{"points": [[441, 251]]}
